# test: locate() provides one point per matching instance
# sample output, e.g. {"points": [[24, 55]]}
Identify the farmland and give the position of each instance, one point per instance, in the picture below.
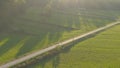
{"points": [[31, 25], [29, 34], [101, 51]]}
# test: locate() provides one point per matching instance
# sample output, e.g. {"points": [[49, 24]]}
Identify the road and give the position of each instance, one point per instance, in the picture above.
{"points": [[28, 57]]}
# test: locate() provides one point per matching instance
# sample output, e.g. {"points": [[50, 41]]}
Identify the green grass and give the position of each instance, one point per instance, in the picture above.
{"points": [[31, 32], [101, 51]]}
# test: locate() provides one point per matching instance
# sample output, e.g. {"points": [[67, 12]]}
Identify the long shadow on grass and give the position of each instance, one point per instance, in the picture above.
{"points": [[10, 44], [28, 46], [38, 42], [55, 57]]}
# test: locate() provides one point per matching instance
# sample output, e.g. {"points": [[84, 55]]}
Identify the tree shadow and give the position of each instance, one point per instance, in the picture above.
{"points": [[56, 61], [28, 46], [43, 40], [8, 45], [67, 48], [55, 56]]}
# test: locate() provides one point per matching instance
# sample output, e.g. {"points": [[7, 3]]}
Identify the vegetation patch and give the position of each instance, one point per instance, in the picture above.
{"points": [[101, 51]]}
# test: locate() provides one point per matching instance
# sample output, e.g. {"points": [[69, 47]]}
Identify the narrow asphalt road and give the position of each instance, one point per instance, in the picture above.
{"points": [[27, 57]]}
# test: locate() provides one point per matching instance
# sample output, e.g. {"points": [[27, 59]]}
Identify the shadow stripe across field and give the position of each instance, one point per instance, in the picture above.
{"points": [[28, 57]]}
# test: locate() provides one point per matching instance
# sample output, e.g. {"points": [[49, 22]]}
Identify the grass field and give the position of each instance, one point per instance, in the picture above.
{"points": [[31, 32], [101, 51]]}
